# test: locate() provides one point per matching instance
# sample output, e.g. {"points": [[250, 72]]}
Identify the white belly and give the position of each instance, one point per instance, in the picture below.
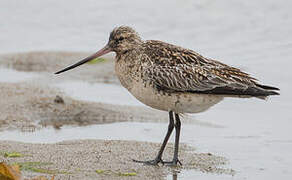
{"points": [[177, 102]]}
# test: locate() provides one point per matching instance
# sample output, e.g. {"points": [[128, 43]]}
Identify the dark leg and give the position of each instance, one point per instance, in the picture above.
{"points": [[175, 160], [159, 155]]}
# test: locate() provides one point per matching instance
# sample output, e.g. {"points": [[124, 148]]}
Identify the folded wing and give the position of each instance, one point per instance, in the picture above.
{"points": [[207, 79]]}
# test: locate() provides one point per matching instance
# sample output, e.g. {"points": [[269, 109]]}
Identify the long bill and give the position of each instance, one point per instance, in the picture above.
{"points": [[99, 53]]}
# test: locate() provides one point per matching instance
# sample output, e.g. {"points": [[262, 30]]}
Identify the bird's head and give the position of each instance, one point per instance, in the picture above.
{"points": [[121, 40]]}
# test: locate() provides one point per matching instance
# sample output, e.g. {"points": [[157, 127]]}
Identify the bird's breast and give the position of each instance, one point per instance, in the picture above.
{"points": [[127, 72]]}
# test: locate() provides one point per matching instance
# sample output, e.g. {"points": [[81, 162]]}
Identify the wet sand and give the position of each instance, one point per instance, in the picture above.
{"points": [[33, 104], [29, 107]]}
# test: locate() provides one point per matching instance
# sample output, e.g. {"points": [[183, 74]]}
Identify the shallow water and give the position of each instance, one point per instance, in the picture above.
{"points": [[13, 76], [223, 29], [253, 35], [98, 92], [193, 174], [120, 131]]}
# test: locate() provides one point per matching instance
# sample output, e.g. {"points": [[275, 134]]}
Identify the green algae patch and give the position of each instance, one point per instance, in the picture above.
{"points": [[36, 167], [110, 172], [127, 174], [12, 154], [96, 60], [99, 171], [104, 172]]}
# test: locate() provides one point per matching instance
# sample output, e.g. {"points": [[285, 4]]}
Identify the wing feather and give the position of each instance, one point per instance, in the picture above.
{"points": [[173, 68], [193, 78]]}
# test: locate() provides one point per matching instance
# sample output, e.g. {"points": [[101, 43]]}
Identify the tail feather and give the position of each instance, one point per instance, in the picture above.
{"points": [[266, 91], [267, 87], [260, 91]]}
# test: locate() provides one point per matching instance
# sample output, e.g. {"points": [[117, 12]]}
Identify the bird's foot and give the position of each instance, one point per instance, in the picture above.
{"points": [[174, 162], [154, 162]]}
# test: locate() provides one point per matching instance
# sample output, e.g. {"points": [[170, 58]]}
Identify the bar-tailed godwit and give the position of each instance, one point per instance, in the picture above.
{"points": [[174, 79]]}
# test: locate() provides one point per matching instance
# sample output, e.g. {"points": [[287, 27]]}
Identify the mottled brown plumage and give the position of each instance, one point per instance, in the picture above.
{"points": [[174, 79], [177, 69]]}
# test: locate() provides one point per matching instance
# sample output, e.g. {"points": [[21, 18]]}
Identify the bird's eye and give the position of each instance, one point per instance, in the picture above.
{"points": [[121, 38]]}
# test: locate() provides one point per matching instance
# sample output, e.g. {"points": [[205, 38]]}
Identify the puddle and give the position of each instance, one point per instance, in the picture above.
{"points": [[99, 92], [13, 76], [117, 131]]}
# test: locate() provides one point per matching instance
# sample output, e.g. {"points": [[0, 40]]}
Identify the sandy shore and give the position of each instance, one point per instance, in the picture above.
{"points": [[98, 159], [31, 105]]}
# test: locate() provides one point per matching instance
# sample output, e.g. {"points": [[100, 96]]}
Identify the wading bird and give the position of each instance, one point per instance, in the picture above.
{"points": [[174, 79]]}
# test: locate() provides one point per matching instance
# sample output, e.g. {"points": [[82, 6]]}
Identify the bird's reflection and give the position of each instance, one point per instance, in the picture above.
{"points": [[175, 173], [174, 176]]}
